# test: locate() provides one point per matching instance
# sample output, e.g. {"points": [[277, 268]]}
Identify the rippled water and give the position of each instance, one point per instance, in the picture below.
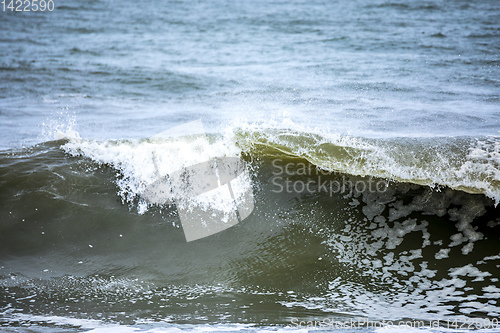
{"points": [[400, 92]]}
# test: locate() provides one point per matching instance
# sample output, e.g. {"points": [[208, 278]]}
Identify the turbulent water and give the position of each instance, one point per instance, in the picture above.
{"points": [[370, 135]]}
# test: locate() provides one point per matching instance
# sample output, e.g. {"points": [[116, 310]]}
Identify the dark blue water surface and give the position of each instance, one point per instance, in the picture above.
{"points": [[121, 69]]}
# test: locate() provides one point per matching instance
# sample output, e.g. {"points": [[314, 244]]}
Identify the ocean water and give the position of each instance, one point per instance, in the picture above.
{"points": [[370, 135]]}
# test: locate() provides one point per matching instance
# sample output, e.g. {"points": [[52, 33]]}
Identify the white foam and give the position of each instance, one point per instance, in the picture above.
{"points": [[142, 163], [32, 322], [474, 169], [370, 247], [443, 253], [469, 270]]}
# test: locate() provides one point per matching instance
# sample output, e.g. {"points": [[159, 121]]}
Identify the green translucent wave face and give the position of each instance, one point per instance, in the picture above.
{"points": [[468, 164]]}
